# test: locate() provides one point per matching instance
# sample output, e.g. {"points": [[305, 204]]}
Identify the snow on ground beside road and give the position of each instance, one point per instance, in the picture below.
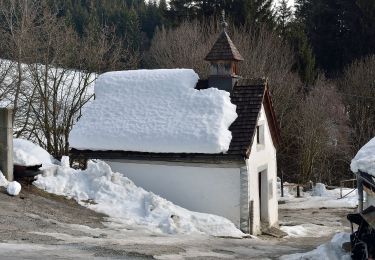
{"points": [[365, 159], [308, 230], [155, 111], [26, 153], [104, 191], [318, 198], [331, 250]]}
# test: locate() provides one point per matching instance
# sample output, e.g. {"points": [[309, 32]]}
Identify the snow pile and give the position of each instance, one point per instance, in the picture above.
{"points": [[13, 188], [155, 111], [365, 159], [26, 153], [102, 190], [3, 181], [331, 250], [319, 190]]}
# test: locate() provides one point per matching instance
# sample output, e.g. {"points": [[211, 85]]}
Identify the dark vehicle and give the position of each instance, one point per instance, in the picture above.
{"points": [[363, 239]]}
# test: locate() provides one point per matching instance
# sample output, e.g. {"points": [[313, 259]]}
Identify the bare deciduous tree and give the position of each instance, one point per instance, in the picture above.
{"points": [[358, 87], [54, 70], [321, 133]]}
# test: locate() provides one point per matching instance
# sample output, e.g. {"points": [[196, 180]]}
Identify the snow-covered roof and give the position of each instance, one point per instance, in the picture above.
{"points": [[157, 111], [26, 153], [365, 159]]}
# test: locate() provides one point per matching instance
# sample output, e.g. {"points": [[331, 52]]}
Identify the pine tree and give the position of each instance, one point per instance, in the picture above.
{"points": [[305, 60], [258, 12], [339, 31], [284, 16], [241, 12]]}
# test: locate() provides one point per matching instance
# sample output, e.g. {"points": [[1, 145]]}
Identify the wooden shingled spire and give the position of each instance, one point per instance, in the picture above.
{"points": [[224, 49]]}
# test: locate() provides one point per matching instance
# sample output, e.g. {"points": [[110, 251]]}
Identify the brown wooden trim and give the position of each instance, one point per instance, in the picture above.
{"points": [[271, 117], [167, 157]]}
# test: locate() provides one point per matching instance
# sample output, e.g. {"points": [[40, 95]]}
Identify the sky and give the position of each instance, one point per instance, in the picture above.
{"points": [[291, 2]]}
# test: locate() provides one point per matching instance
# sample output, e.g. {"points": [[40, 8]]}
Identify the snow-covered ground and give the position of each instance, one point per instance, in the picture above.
{"points": [[330, 251], [313, 201], [319, 197], [308, 230], [155, 111]]}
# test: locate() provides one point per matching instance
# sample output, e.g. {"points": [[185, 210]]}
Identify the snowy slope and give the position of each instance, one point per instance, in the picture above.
{"points": [[365, 159], [102, 190], [155, 111]]}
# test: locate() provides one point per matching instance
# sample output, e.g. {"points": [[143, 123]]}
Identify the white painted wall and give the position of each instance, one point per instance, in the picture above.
{"points": [[202, 189], [263, 158]]}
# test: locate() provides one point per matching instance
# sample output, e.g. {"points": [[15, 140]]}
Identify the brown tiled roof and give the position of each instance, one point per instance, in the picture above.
{"points": [[224, 49], [248, 98], [248, 95]]}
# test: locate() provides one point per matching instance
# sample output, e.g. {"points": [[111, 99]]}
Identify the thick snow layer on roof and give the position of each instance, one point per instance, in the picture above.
{"points": [[102, 190], [365, 159], [26, 153], [155, 111]]}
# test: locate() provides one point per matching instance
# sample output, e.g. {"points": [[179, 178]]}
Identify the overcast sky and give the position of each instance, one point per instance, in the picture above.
{"points": [[291, 2]]}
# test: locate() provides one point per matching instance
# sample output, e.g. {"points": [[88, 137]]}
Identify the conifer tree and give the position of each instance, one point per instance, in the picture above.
{"points": [[284, 15], [339, 31]]}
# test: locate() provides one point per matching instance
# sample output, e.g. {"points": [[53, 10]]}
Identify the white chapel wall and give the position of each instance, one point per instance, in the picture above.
{"points": [[263, 159], [203, 189]]}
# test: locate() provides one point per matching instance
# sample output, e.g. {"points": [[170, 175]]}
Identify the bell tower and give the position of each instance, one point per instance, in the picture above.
{"points": [[223, 58]]}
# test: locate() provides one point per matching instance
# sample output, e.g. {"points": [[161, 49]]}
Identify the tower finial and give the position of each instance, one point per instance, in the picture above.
{"points": [[224, 24]]}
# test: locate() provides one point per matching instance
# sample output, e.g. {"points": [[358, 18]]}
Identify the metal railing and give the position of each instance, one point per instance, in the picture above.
{"points": [[342, 185]]}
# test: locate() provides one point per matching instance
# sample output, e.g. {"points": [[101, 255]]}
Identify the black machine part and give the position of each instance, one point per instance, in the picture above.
{"points": [[363, 240]]}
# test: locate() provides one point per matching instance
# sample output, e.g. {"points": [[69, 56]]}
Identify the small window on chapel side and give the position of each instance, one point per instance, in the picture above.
{"points": [[260, 134]]}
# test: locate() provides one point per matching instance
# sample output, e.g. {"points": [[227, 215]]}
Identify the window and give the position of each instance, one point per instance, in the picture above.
{"points": [[260, 134]]}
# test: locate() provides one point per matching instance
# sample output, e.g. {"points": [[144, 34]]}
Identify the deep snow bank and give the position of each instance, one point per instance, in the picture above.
{"points": [[155, 111], [365, 159], [102, 190]]}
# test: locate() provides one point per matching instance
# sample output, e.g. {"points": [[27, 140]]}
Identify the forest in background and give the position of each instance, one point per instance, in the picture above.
{"points": [[318, 58]]}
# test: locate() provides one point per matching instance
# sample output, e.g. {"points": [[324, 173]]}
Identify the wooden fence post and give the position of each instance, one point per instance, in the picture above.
{"points": [[360, 193], [6, 143], [282, 183]]}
